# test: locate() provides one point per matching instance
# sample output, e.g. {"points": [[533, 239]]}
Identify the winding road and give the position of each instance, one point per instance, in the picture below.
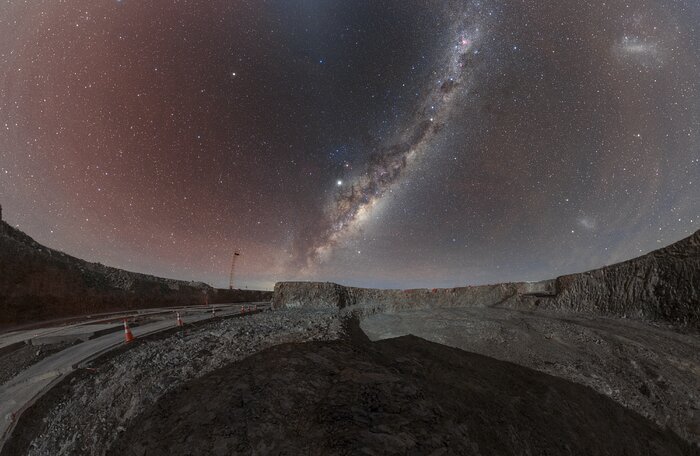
{"points": [[20, 392]]}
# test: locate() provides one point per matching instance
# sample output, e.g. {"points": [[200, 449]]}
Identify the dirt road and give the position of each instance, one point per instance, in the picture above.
{"points": [[27, 386]]}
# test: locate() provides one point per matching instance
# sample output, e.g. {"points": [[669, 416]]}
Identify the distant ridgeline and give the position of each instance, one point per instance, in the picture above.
{"points": [[38, 283], [663, 285]]}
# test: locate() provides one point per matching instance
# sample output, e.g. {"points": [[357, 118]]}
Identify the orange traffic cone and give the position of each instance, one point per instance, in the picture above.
{"points": [[128, 336], [179, 320]]}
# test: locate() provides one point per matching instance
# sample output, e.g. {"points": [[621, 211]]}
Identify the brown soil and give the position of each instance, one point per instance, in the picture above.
{"points": [[396, 396]]}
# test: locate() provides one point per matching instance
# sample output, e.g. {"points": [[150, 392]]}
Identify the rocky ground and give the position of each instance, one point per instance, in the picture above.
{"points": [[651, 369], [89, 411], [250, 386], [18, 360], [399, 396]]}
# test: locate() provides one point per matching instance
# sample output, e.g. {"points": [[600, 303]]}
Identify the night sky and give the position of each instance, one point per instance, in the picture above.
{"points": [[375, 143]]}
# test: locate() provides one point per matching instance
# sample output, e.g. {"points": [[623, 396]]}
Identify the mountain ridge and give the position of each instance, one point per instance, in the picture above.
{"points": [[38, 282]]}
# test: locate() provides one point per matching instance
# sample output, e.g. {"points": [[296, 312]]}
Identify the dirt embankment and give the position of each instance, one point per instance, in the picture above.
{"points": [[86, 412], [399, 396], [663, 285], [39, 283], [651, 369], [15, 361], [370, 300]]}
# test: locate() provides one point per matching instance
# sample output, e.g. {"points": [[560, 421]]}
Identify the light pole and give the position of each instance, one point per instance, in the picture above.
{"points": [[233, 264]]}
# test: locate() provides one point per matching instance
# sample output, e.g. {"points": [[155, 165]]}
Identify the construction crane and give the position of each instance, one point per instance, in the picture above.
{"points": [[233, 264]]}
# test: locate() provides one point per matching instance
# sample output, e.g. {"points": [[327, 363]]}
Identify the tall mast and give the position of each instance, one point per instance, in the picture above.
{"points": [[233, 264]]}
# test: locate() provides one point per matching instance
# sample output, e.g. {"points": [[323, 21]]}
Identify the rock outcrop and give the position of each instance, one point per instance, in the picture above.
{"points": [[663, 285], [325, 295]]}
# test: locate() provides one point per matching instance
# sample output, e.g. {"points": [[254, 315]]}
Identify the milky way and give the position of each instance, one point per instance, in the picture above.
{"points": [[352, 205], [392, 144]]}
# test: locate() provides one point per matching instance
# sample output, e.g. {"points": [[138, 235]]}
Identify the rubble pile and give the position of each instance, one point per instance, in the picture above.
{"points": [[102, 405], [367, 301], [403, 396], [653, 370], [16, 361]]}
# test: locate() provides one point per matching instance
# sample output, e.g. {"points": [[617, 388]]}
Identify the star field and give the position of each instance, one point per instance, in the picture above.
{"points": [[391, 144]]}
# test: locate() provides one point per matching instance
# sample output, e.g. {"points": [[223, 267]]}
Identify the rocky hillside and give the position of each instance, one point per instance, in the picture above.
{"points": [[39, 283], [325, 294], [402, 396], [663, 285]]}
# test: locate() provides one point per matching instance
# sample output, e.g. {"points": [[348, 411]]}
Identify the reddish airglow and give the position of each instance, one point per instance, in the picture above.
{"points": [[158, 137]]}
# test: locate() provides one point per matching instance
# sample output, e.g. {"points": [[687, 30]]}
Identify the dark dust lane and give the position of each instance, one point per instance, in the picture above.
{"points": [[396, 396]]}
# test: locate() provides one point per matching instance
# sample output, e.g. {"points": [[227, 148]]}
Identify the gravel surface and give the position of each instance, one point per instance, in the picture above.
{"points": [[402, 396], [101, 406], [18, 360], [653, 370]]}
